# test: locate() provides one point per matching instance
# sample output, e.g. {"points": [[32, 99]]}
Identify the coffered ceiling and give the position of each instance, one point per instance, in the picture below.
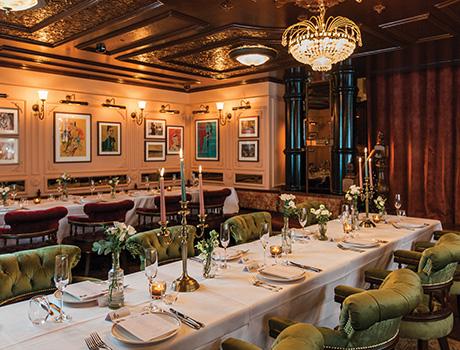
{"points": [[184, 45]]}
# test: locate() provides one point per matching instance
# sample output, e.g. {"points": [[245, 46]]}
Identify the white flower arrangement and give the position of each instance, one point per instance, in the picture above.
{"points": [[288, 202], [113, 182], [4, 191], [64, 179], [116, 237], [380, 203], [353, 193], [322, 214]]}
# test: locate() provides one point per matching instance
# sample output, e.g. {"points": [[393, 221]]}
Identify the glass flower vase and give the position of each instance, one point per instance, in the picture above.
{"points": [[113, 192], [355, 216], [322, 227], [116, 283], [286, 241], [209, 267], [65, 192]]}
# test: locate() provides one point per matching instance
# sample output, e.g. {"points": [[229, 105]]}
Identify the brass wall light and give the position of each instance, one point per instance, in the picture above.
{"points": [[202, 110], [138, 117], [223, 119], [110, 103], [244, 104], [39, 109], [70, 100], [3, 95], [167, 109]]}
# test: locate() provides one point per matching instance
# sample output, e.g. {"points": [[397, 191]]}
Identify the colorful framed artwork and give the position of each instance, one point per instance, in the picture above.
{"points": [[155, 129], [248, 151], [72, 137], [155, 151], [248, 127], [9, 121], [9, 151], [207, 139], [108, 139], [175, 139]]}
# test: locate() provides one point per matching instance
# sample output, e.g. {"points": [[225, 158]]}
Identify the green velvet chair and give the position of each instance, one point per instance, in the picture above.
{"points": [[296, 337], [27, 273], [369, 319], [433, 317], [166, 252], [246, 227]]}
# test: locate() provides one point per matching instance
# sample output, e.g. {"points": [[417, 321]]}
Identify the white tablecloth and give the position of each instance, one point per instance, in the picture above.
{"points": [[141, 199], [228, 304]]}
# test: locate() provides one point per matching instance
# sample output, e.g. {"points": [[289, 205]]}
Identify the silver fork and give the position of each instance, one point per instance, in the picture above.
{"points": [[255, 282], [99, 342], [91, 344]]}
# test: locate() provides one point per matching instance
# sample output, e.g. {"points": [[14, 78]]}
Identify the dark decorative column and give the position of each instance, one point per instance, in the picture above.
{"points": [[343, 111], [296, 110]]}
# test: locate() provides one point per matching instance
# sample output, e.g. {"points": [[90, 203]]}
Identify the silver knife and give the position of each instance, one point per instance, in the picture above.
{"points": [[188, 318], [305, 267], [349, 248]]}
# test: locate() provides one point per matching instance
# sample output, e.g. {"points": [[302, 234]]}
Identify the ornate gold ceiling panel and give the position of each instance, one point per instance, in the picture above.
{"points": [[71, 26]]}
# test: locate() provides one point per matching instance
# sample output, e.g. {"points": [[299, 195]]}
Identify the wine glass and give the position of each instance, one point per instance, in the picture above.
{"points": [[151, 270], [174, 177], [13, 192], [60, 191], [265, 239], [224, 241], [147, 183], [39, 310], [398, 203], [128, 182], [61, 279], [303, 217], [92, 187]]}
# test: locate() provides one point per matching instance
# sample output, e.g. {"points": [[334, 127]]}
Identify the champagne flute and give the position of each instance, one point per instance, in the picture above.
{"points": [[151, 270], [174, 177], [303, 217], [61, 279], [147, 183], [92, 187], [224, 241], [398, 203], [265, 239], [14, 192]]}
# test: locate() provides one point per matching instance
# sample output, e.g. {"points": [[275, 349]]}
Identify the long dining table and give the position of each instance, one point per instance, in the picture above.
{"points": [[140, 198], [229, 304]]}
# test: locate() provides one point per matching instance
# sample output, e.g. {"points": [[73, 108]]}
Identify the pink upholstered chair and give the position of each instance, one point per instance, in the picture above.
{"points": [[148, 215], [31, 229]]}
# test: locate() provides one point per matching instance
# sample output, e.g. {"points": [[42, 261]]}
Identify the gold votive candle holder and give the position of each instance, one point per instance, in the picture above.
{"points": [[376, 218], [347, 228], [157, 289], [275, 250], [37, 200]]}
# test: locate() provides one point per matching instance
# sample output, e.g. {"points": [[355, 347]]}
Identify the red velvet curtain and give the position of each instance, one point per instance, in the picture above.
{"points": [[419, 113]]}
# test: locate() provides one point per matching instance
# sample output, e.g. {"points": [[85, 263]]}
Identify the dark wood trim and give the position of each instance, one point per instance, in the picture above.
{"points": [[238, 83]]}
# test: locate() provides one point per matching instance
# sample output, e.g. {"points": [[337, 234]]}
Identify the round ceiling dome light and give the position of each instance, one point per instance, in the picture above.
{"points": [[18, 5], [253, 55]]}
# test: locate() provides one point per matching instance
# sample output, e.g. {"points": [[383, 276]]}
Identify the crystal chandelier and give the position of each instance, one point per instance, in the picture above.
{"points": [[321, 43], [17, 5]]}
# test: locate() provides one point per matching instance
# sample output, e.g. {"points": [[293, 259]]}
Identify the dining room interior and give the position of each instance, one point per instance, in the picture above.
{"points": [[229, 174]]}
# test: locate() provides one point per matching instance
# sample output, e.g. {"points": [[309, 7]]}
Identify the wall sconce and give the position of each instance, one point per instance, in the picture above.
{"points": [[39, 109], [223, 119], [139, 117], [203, 110], [3, 95], [70, 100], [110, 103], [244, 104], [167, 109]]}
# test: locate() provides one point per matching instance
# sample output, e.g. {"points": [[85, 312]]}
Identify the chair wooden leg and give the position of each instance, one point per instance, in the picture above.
{"points": [[422, 344], [443, 343]]}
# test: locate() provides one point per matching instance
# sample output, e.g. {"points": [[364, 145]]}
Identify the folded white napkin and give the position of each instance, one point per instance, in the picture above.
{"points": [[147, 326], [86, 290], [408, 225], [360, 242], [282, 271]]}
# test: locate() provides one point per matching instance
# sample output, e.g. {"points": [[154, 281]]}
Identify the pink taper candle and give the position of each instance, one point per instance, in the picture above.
{"points": [[360, 167], [370, 172], [200, 182], [162, 197]]}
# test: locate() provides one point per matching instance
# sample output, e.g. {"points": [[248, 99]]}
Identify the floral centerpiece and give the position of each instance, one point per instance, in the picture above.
{"points": [[4, 192], [206, 248], [353, 194], [115, 242], [288, 209], [63, 182], [113, 183], [380, 205], [323, 215]]}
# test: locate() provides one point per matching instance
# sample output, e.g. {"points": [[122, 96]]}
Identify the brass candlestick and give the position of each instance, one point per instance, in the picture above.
{"points": [[185, 283], [202, 225], [165, 233], [368, 192]]}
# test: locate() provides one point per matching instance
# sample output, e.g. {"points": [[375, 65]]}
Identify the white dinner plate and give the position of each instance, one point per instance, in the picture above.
{"points": [[360, 243], [279, 279], [125, 337], [231, 254]]}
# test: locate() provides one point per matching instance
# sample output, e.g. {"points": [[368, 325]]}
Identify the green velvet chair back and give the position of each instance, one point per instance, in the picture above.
{"points": [[246, 227], [438, 263], [373, 317], [310, 204], [30, 271], [166, 252]]}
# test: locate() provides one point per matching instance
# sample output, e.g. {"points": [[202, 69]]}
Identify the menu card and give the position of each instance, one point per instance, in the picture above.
{"points": [[148, 326]]}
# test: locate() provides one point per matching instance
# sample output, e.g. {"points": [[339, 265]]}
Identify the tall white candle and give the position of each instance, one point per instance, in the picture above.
{"points": [[182, 176], [370, 172], [200, 182], [366, 170], [360, 167], [162, 196]]}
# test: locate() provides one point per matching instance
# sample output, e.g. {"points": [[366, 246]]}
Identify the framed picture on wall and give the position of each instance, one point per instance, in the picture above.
{"points": [[72, 137], [175, 139], [155, 151], [248, 127], [155, 129], [9, 120], [9, 151], [248, 151], [207, 139], [108, 139]]}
